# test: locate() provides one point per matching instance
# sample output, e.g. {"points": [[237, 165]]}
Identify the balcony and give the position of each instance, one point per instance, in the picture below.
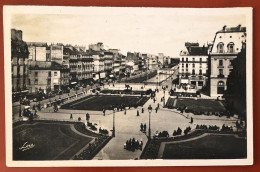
{"points": [[221, 76]]}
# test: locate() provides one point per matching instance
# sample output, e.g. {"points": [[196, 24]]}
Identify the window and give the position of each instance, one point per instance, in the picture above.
{"points": [[220, 62], [36, 82], [55, 73], [193, 72], [220, 72], [200, 73], [182, 65], [187, 65], [200, 60], [200, 83], [49, 73], [221, 87], [193, 59], [193, 83], [183, 59], [220, 47], [230, 47], [186, 59], [36, 74], [193, 65]]}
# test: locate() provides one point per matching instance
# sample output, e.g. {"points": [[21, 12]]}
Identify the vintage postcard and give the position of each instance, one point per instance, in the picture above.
{"points": [[110, 86]]}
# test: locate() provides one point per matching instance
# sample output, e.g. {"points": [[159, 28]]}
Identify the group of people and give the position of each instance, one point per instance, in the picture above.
{"points": [[205, 127], [143, 127], [133, 144]]}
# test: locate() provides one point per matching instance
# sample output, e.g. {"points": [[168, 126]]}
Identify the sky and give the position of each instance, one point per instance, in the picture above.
{"points": [[145, 30]]}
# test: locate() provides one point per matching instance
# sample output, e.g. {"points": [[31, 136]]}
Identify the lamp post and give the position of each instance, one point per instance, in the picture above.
{"points": [[157, 82], [149, 130], [114, 110], [164, 96]]}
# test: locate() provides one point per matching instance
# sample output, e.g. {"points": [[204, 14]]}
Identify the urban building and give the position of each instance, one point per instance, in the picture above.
{"points": [[56, 53], [193, 67], [226, 46], [19, 57], [37, 51], [44, 76], [108, 62]]}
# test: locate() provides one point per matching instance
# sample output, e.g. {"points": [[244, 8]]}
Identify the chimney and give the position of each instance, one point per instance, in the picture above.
{"points": [[224, 27], [239, 27]]}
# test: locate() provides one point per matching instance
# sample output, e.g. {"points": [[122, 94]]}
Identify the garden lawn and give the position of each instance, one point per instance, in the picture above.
{"points": [[53, 141], [199, 105], [208, 147], [101, 102]]}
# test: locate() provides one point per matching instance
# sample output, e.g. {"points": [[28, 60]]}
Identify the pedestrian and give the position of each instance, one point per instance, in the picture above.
{"points": [[191, 120], [142, 110], [154, 100], [87, 117], [127, 145], [142, 126], [125, 112], [71, 117], [104, 112], [158, 105], [156, 109], [137, 113]]}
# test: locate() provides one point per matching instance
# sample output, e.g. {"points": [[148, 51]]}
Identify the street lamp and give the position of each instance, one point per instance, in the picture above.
{"points": [[157, 82], [164, 96], [114, 110], [149, 130]]}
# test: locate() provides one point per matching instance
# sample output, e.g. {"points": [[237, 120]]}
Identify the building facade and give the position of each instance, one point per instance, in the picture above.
{"points": [[226, 46], [193, 68], [19, 58], [44, 76], [37, 51]]}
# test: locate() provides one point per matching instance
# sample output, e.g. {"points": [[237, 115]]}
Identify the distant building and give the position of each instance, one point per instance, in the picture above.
{"points": [[56, 53], [226, 46], [45, 76], [193, 67], [37, 51], [19, 57], [80, 64], [96, 47], [108, 62]]}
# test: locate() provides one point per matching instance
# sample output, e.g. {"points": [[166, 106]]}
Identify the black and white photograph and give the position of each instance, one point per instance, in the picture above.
{"points": [[128, 86]]}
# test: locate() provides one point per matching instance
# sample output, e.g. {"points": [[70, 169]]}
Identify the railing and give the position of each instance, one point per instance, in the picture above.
{"points": [[221, 76]]}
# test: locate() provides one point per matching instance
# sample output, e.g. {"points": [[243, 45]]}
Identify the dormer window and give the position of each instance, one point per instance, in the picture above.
{"points": [[220, 47], [230, 47]]}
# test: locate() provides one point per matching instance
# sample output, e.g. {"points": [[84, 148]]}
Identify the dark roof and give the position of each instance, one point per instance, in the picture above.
{"points": [[37, 44], [108, 53], [232, 29], [196, 51]]}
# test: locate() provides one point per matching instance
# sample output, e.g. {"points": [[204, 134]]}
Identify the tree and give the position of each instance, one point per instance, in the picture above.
{"points": [[236, 86]]}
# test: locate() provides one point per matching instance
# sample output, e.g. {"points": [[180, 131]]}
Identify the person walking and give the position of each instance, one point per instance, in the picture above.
{"points": [[87, 117], [71, 117], [137, 113], [142, 126]]}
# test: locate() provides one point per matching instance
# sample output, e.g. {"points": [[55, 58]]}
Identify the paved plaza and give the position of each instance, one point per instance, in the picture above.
{"points": [[128, 126]]}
